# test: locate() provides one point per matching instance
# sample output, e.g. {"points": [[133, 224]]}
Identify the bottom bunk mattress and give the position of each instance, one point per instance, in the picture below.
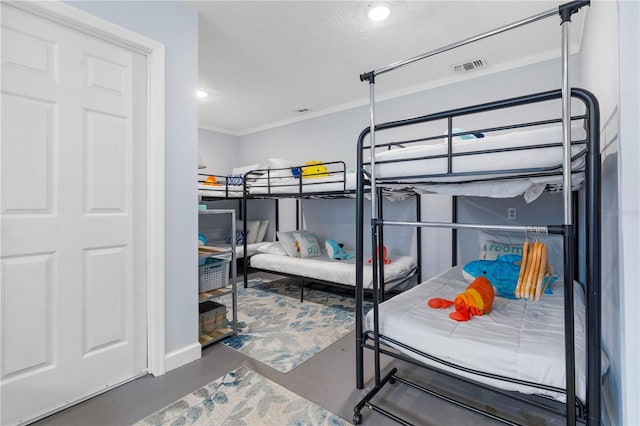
{"points": [[252, 248], [335, 271], [519, 339]]}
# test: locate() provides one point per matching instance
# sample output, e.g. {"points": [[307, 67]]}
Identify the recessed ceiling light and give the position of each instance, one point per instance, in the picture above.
{"points": [[378, 12], [202, 94]]}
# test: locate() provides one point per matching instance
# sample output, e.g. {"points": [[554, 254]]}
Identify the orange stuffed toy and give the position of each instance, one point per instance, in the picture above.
{"points": [[385, 259], [211, 181], [475, 300]]}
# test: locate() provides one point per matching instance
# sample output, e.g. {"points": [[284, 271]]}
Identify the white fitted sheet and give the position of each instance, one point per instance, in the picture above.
{"points": [[277, 185], [219, 191], [518, 339], [252, 248], [524, 159], [337, 271]]}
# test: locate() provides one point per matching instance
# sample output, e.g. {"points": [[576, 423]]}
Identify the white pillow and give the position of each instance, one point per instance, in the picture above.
{"points": [[307, 244], [244, 169], [252, 229], [279, 163], [262, 230], [495, 242], [288, 242], [273, 248]]}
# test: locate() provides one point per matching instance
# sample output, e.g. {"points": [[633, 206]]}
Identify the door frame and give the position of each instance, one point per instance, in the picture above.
{"points": [[79, 20]]}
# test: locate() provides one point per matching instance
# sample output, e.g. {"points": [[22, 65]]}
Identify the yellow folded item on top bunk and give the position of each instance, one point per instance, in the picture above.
{"points": [[314, 169]]}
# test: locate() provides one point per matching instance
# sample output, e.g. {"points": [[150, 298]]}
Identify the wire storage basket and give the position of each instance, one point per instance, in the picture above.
{"points": [[214, 274]]}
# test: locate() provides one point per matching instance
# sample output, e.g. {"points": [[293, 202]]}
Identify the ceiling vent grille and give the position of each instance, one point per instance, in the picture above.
{"points": [[469, 65]]}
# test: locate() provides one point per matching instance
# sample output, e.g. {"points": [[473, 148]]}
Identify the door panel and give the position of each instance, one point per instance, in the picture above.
{"points": [[105, 163], [104, 297], [27, 281], [28, 139], [73, 218]]}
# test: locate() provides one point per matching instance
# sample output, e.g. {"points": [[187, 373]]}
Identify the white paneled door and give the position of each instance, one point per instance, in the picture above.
{"points": [[73, 219]]}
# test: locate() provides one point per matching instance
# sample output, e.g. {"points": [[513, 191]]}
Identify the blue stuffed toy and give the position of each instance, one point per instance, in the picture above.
{"points": [[335, 251], [502, 273]]}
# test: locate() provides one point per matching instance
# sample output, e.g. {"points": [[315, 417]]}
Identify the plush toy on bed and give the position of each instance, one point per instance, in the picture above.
{"points": [[335, 251], [502, 273], [314, 169], [475, 300], [211, 181], [385, 259]]}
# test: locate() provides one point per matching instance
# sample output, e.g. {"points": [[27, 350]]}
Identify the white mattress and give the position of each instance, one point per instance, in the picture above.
{"points": [[542, 157], [331, 183], [337, 271], [252, 248], [219, 191], [518, 339]]}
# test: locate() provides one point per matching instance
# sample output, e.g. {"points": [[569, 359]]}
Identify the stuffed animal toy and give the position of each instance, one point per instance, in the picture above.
{"points": [[314, 169], [385, 260], [211, 181], [502, 273], [477, 299], [335, 251]]}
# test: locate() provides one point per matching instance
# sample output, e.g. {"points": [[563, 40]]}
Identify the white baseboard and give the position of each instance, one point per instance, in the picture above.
{"points": [[183, 356]]}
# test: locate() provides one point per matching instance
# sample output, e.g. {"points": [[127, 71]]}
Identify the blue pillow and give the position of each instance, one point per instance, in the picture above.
{"points": [[239, 237], [502, 273], [235, 180]]}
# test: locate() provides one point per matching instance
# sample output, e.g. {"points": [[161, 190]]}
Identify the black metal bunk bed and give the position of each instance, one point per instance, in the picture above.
{"points": [[224, 188], [266, 184], [589, 410]]}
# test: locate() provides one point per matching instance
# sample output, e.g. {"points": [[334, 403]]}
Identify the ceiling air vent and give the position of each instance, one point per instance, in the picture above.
{"points": [[470, 65]]}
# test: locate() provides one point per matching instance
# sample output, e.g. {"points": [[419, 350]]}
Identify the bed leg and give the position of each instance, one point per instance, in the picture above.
{"points": [[357, 416], [302, 291]]}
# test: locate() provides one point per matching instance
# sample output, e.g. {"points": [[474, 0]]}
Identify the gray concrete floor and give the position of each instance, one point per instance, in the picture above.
{"points": [[327, 379]]}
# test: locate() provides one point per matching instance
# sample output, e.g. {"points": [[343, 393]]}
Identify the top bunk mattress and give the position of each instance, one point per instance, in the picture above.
{"points": [[291, 185], [519, 339], [336, 271], [220, 191], [533, 152]]}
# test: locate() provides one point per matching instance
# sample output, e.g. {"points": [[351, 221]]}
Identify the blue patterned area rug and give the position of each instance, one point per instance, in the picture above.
{"points": [[279, 331], [242, 397]]}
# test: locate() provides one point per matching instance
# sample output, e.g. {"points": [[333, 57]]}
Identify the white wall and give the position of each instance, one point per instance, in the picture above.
{"points": [[610, 60], [174, 24], [629, 208], [219, 151], [629, 41]]}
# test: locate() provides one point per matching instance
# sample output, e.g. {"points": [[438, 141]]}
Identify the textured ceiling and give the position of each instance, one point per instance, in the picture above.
{"points": [[262, 61]]}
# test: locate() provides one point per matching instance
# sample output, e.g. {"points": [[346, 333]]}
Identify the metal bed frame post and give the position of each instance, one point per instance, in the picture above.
{"points": [[243, 208], [380, 247], [359, 266], [419, 238], [454, 232], [277, 217], [593, 301]]}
